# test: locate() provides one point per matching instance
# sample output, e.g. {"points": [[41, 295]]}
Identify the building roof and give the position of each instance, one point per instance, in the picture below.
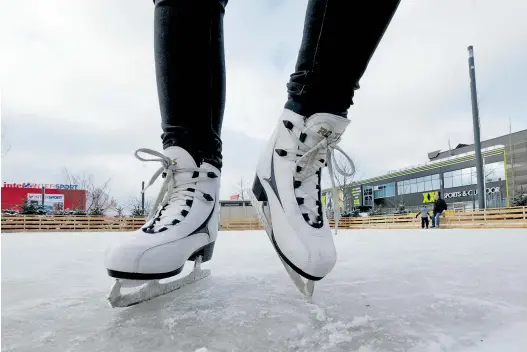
{"points": [[464, 148]]}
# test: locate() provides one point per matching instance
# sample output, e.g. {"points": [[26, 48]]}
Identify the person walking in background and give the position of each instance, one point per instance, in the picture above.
{"points": [[424, 212], [439, 207]]}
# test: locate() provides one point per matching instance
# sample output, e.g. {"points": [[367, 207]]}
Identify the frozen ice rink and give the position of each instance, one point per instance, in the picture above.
{"points": [[391, 290]]}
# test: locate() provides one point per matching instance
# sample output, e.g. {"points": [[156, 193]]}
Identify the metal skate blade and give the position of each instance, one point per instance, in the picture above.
{"points": [[306, 287], [132, 283], [152, 289]]}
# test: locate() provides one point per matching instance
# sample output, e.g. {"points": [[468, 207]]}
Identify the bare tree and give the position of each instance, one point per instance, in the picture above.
{"points": [[98, 198], [343, 182], [135, 206], [119, 209], [242, 191], [240, 188]]}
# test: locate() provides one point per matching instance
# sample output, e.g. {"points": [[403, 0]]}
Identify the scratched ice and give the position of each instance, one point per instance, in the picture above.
{"points": [[391, 290]]}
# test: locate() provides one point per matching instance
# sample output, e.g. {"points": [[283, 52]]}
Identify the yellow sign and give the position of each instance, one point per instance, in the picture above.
{"points": [[428, 197]]}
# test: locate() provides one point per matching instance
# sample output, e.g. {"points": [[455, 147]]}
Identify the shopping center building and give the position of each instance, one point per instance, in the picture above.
{"points": [[56, 196], [451, 173]]}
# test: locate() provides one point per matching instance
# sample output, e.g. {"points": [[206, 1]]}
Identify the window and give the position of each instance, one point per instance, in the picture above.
{"points": [[429, 186], [474, 178], [494, 172], [457, 180], [368, 197], [415, 185], [466, 178], [383, 191], [390, 190], [448, 182], [400, 187]]}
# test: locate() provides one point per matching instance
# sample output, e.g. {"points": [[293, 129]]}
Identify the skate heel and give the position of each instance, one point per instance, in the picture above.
{"points": [[204, 252], [258, 190]]}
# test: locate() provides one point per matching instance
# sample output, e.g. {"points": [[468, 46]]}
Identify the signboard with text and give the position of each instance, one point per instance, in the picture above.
{"points": [[471, 192], [40, 185], [51, 201]]}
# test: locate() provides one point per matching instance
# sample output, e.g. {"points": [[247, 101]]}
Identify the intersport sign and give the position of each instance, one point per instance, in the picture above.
{"points": [[40, 185]]}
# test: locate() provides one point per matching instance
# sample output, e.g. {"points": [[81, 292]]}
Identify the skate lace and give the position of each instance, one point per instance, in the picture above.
{"points": [[176, 196], [309, 162]]}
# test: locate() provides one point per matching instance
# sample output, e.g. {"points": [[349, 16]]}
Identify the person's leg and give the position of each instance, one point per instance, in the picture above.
{"points": [[426, 222], [433, 220], [422, 223], [339, 40], [438, 215], [190, 72]]}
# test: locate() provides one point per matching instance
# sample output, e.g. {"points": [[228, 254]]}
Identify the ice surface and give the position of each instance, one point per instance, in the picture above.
{"points": [[391, 290]]}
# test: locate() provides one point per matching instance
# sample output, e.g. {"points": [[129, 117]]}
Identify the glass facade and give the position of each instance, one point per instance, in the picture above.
{"points": [[457, 178], [467, 177], [383, 191], [419, 184]]}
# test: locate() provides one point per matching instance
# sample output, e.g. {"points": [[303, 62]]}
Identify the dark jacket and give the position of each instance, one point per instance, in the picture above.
{"points": [[440, 206]]}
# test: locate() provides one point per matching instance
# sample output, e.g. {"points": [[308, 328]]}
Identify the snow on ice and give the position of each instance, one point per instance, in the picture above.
{"points": [[392, 290]]}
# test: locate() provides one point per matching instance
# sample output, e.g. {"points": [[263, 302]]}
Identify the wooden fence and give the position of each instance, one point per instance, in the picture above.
{"points": [[35, 223], [489, 218]]}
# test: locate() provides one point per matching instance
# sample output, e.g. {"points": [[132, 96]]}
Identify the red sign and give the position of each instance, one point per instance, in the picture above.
{"points": [[13, 197]]}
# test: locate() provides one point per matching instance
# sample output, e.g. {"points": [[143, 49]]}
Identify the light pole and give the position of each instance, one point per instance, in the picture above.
{"points": [[143, 198], [476, 128]]}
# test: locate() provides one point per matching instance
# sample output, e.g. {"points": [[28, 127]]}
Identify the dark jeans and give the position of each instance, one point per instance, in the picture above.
{"points": [[435, 219], [424, 222], [339, 39]]}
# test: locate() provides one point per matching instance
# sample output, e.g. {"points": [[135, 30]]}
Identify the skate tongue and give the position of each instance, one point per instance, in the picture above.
{"points": [[324, 125], [328, 127], [182, 160]]}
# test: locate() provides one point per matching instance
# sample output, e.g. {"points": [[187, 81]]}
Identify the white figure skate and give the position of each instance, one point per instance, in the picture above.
{"points": [[288, 183], [183, 225]]}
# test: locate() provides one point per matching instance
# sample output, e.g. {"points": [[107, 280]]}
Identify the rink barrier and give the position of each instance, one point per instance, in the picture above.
{"points": [[515, 217], [489, 218], [35, 223]]}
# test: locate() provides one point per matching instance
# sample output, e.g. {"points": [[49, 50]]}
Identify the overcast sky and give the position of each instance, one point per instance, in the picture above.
{"points": [[79, 92]]}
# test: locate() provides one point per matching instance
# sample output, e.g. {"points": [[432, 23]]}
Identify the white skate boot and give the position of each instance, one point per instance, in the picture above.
{"points": [[183, 225], [287, 193]]}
